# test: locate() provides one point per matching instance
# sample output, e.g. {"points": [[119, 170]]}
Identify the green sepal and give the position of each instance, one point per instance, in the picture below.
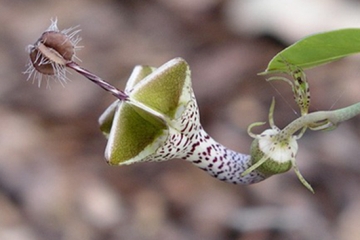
{"points": [[138, 127], [106, 119], [135, 134], [162, 90], [138, 74]]}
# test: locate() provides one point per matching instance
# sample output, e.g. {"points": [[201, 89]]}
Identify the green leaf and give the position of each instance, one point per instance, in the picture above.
{"points": [[316, 49]]}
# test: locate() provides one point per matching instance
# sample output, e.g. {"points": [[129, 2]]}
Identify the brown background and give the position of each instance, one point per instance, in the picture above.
{"points": [[55, 183]]}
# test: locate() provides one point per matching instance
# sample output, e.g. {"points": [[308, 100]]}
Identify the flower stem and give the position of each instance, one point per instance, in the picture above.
{"points": [[321, 120], [97, 80]]}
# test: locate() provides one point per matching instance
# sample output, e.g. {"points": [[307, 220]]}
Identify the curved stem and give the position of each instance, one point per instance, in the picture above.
{"points": [[321, 120]]}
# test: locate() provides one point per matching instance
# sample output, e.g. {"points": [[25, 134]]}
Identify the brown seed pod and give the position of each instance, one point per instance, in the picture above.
{"points": [[51, 52], [53, 48], [60, 42]]}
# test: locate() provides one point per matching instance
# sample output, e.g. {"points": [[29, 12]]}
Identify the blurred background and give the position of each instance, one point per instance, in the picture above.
{"points": [[55, 183]]}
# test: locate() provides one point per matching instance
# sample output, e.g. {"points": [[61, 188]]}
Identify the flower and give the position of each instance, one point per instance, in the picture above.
{"points": [[274, 150]]}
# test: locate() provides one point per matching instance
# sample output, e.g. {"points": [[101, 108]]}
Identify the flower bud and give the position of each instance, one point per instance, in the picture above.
{"points": [[274, 151], [276, 156]]}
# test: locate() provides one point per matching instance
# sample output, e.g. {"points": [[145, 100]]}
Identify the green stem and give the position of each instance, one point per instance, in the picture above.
{"points": [[320, 120]]}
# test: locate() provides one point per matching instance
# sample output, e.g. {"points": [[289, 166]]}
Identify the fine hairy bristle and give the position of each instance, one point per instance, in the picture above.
{"points": [[50, 53], [54, 53]]}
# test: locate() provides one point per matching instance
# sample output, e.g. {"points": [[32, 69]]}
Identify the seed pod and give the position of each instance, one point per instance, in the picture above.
{"points": [[51, 52], [60, 42], [53, 49]]}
